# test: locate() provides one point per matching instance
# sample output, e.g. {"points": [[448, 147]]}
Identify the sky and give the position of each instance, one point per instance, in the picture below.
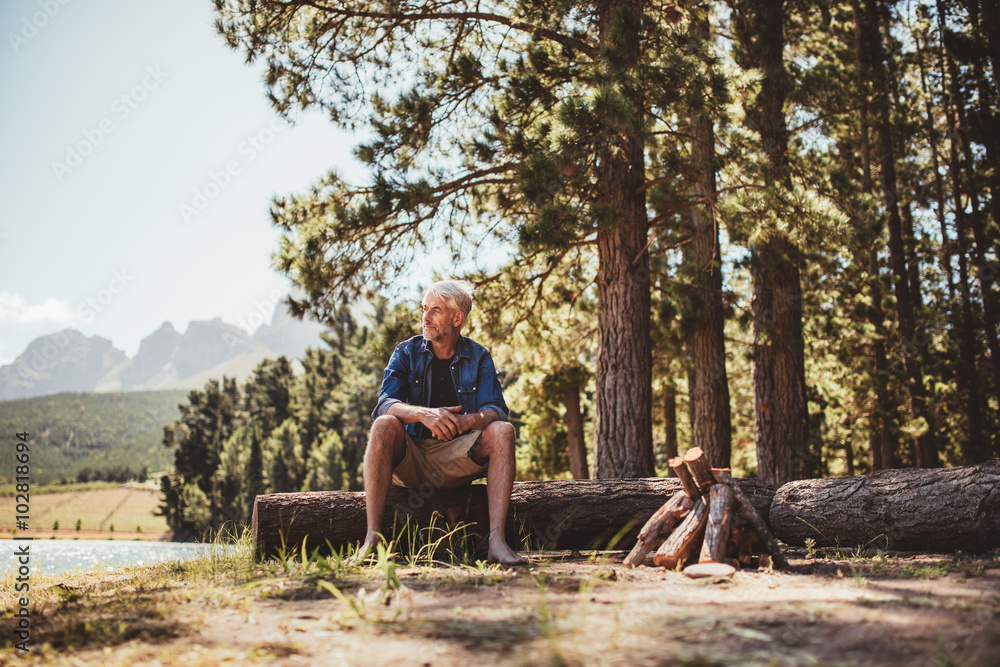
{"points": [[139, 155]]}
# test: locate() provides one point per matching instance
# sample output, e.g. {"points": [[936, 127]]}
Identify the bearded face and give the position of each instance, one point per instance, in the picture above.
{"points": [[439, 319]]}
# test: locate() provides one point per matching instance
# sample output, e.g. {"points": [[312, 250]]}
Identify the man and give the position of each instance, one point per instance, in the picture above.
{"points": [[441, 419]]}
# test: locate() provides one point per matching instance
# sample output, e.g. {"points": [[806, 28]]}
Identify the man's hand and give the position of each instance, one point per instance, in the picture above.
{"points": [[445, 423]]}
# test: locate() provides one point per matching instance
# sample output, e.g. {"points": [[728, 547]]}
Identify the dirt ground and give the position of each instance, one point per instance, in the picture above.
{"points": [[896, 609]]}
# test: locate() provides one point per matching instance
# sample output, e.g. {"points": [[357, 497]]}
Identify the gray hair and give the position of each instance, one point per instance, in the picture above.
{"points": [[456, 293]]}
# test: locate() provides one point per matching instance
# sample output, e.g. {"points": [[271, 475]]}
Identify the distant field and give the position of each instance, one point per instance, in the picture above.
{"points": [[125, 508]]}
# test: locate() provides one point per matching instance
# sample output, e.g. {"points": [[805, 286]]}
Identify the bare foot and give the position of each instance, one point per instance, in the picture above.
{"points": [[364, 550], [501, 553]]}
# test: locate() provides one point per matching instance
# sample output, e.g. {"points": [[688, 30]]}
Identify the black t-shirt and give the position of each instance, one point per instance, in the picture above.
{"points": [[442, 386]]}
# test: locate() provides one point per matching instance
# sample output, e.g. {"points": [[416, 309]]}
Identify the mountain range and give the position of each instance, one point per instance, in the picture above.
{"points": [[167, 359]]}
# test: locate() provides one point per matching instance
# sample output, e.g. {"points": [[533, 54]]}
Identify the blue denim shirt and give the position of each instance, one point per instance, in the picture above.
{"points": [[407, 379]]}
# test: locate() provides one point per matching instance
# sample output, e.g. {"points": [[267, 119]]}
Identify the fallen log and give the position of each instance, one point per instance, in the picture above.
{"points": [[906, 509], [555, 514]]}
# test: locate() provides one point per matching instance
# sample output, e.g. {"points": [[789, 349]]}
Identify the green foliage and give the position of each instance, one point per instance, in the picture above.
{"points": [[108, 436], [326, 465], [543, 336], [501, 136], [278, 431]]}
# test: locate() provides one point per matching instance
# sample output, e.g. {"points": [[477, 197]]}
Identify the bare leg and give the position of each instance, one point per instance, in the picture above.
{"points": [[386, 447], [495, 450]]}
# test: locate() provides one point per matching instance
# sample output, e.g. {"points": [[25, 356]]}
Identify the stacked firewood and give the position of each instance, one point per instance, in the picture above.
{"points": [[709, 525]]}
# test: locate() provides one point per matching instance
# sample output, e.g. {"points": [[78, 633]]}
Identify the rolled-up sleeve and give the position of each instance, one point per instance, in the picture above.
{"points": [[395, 382], [489, 393]]}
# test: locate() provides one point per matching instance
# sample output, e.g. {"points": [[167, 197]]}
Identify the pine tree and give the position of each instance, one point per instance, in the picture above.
{"points": [[524, 124], [781, 415]]}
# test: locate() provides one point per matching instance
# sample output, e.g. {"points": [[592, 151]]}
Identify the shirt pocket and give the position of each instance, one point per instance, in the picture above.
{"points": [[416, 388]]}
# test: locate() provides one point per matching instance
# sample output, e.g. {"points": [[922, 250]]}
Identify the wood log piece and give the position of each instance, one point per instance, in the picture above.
{"points": [[720, 503], [756, 522], [711, 569], [555, 514], [700, 468], [684, 475], [932, 509], [658, 527], [717, 473], [740, 544], [684, 541]]}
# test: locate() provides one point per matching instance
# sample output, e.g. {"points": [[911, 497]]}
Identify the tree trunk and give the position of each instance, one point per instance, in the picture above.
{"points": [[920, 510], [712, 427], [624, 360], [574, 433], [781, 418], [966, 329], [883, 441], [563, 514], [926, 445], [987, 271], [670, 420], [933, 138], [991, 25]]}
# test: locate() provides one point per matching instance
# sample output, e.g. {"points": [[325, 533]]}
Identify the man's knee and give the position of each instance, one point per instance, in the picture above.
{"points": [[501, 433], [386, 430]]}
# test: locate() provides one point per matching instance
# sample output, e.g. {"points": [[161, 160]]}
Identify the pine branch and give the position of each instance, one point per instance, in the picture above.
{"points": [[476, 16]]}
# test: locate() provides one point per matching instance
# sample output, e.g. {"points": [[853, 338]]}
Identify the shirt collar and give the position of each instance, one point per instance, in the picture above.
{"points": [[462, 349]]}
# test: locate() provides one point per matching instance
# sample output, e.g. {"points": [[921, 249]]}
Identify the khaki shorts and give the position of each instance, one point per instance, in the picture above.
{"points": [[443, 463]]}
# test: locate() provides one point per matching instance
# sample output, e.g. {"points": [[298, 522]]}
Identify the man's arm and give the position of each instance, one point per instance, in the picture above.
{"points": [[444, 423]]}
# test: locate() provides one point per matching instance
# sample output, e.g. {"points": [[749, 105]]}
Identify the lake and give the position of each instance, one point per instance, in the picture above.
{"points": [[60, 556]]}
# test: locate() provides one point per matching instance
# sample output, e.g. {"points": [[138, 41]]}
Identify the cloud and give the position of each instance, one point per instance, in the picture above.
{"points": [[15, 310]]}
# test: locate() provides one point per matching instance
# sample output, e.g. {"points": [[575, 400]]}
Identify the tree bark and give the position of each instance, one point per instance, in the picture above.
{"points": [[683, 475], [781, 418], [701, 470], [712, 426], [713, 547], [624, 361], [683, 542], [574, 433], [660, 524], [991, 25], [670, 421], [756, 520], [563, 514], [920, 510]]}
